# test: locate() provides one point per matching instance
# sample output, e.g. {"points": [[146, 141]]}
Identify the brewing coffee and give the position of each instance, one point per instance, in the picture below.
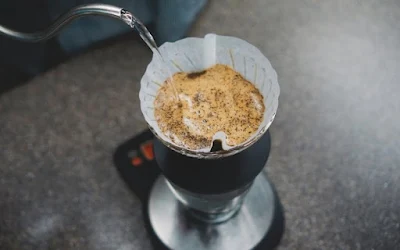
{"points": [[216, 99]]}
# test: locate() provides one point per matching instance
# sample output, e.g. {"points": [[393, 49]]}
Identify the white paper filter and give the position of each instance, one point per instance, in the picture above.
{"points": [[197, 54]]}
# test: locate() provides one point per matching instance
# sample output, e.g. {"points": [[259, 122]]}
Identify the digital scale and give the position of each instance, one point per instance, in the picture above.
{"points": [[260, 218]]}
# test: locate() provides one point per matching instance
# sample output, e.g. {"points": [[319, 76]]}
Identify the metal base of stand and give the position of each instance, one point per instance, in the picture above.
{"points": [[247, 229]]}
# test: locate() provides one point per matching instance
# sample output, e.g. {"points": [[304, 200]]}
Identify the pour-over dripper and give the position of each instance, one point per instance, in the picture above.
{"points": [[197, 54]]}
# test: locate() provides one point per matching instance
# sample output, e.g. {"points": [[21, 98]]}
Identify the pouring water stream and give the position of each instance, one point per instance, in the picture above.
{"points": [[149, 40]]}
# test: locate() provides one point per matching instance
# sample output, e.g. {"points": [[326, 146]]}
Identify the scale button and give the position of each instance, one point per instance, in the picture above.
{"points": [[147, 150], [137, 161]]}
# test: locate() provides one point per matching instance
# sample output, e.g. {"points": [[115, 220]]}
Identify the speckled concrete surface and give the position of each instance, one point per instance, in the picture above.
{"points": [[336, 138]]}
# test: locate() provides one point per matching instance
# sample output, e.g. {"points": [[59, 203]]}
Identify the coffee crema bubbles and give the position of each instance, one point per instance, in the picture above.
{"points": [[216, 99]]}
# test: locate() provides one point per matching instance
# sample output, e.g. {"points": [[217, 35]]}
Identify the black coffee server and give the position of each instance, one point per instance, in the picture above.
{"points": [[198, 203], [221, 203], [219, 199]]}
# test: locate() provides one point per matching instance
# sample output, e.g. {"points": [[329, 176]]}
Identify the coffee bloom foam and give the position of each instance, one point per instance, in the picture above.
{"points": [[197, 54]]}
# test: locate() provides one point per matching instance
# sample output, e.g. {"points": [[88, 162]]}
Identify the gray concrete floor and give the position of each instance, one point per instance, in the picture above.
{"points": [[335, 158]]}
